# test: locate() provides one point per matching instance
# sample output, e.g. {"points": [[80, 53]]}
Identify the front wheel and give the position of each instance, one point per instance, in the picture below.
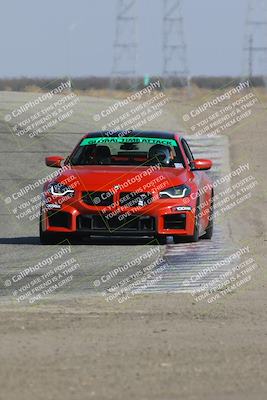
{"points": [[49, 238], [161, 239], [195, 236], [53, 238], [209, 229]]}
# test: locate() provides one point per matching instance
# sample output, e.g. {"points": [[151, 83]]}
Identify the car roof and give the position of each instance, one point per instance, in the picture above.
{"points": [[153, 134]]}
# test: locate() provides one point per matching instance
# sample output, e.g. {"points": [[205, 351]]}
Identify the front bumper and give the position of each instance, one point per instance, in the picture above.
{"points": [[158, 218]]}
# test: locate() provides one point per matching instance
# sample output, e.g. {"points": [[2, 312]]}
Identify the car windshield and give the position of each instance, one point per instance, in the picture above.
{"points": [[127, 151]]}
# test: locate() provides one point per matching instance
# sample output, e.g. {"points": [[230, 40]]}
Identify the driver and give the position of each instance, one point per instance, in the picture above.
{"points": [[162, 154]]}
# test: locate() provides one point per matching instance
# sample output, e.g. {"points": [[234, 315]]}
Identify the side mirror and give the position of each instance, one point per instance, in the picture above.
{"points": [[201, 164], [54, 161]]}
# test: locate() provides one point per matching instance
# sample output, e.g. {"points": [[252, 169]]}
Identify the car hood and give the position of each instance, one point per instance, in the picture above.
{"points": [[128, 177]]}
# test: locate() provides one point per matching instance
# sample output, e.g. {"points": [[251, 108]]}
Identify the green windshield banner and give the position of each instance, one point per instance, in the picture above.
{"points": [[127, 139]]}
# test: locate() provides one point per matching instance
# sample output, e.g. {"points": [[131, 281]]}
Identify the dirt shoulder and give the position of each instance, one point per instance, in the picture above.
{"points": [[153, 347]]}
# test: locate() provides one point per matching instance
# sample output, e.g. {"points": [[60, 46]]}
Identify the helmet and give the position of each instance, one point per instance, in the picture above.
{"points": [[160, 153]]}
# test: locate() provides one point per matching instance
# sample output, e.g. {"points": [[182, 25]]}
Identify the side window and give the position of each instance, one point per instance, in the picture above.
{"points": [[187, 151]]}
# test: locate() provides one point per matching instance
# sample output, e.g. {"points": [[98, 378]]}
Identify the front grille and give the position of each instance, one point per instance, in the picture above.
{"points": [[98, 198], [59, 219], [99, 222], [135, 199], [175, 221]]}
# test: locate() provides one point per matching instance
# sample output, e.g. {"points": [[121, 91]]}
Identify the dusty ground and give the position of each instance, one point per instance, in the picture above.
{"points": [[154, 346]]}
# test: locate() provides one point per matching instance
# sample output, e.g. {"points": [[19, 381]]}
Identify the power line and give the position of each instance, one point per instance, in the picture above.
{"points": [[125, 44], [174, 46], [255, 41]]}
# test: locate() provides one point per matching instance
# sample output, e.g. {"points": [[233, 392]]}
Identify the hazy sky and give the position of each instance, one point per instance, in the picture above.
{"points": [[59, 37]]}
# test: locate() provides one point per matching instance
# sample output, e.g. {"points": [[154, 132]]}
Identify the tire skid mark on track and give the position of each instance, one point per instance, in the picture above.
{"points": [[186, 259]]}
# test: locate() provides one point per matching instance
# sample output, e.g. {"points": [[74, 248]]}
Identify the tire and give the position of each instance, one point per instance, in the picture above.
{"points": [[195, 237], [161, 239], [179, 239], [49, 238], [52, 238], [209, 229]]}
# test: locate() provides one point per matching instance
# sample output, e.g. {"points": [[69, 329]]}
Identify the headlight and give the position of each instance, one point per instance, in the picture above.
{"points": [[175, 192], [58, 189]]}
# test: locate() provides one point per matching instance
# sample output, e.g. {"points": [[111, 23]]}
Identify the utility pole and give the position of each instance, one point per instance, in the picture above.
{"points": [[255, 44], [250, 57], [174, 47], [125, 44]]}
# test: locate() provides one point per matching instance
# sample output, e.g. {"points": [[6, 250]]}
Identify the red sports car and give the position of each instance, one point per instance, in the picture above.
{"points": [[128, 183]]}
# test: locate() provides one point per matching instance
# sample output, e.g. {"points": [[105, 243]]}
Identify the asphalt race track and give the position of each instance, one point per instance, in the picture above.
{"points": [[22, 163]]}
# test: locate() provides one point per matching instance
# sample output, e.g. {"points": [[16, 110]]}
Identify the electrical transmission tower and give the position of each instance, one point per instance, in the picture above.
{"points": [[255, 44], [174, 47], [125, 45]]}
